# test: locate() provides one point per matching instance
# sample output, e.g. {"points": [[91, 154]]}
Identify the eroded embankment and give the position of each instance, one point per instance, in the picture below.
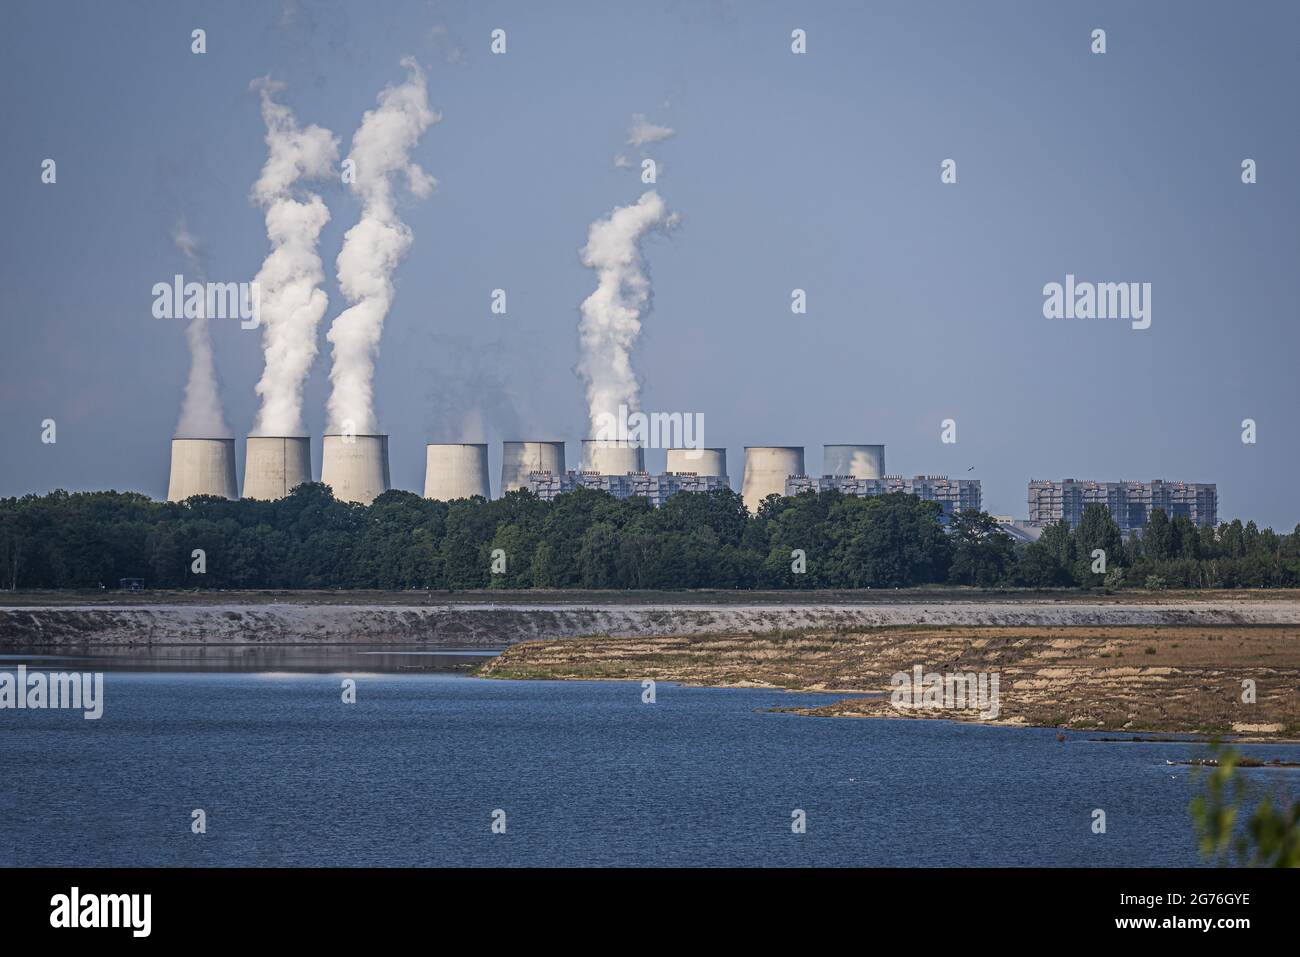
{"points": [[1140, 678], [489, 625]]}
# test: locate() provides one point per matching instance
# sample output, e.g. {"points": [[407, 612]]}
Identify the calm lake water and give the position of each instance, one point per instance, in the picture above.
{"points": [[586, 774]]}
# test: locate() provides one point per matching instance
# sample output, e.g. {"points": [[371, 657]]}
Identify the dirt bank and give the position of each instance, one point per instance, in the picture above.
{"points": [[489, 624], [1140, 678]]}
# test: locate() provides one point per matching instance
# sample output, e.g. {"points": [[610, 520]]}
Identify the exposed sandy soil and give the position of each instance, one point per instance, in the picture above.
{"points": [[1164, 678]]}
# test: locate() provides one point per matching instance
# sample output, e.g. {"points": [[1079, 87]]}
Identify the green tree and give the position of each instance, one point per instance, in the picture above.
{"points": [[543, 567], [1039, 567], [1157, 537], [588, 538], [598, 556], [1097, 531], [982, 554], [885, 541]]}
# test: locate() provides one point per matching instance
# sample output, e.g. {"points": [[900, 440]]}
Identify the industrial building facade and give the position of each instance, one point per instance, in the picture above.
{"points": [[1129, 503], [657, 488], [954, 495]]}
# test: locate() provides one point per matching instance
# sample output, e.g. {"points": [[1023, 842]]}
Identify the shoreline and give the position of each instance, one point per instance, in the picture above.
{"points": [[476, 621], [1132, 681], [1077, 662], [1188, 737]]}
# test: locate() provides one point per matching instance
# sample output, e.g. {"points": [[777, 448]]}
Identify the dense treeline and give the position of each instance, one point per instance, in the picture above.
{"points": [[1169, 554], [588, 539]]}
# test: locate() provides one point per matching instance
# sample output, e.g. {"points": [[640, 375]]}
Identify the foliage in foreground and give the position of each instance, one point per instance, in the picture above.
{"points": [[1270, 837]]}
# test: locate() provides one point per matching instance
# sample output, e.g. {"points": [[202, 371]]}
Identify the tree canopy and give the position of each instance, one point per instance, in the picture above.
{"points": [[588, 539]]}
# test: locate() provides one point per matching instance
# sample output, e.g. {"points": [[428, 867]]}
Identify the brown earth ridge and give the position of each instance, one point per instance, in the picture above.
{"points": [[1171, 678]]}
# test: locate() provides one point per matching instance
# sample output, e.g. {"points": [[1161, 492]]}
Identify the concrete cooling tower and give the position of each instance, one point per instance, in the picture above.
{"points": [[454, 471], [611, 457], [699, 461], [520, 458], [202, 467], [766, 469], [355, 467], [275, 465], [860, 461]]}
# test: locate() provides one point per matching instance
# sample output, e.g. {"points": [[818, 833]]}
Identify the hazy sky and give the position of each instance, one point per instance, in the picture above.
{"points": [[819, 171]]}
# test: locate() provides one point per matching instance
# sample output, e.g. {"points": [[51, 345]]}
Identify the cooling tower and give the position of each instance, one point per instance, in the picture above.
{"points": [[699, 461], [456, 471], [355, 467], [520, 458], [860, 461], [766, 469], [202, 467], [611, 457], [275, 465]]}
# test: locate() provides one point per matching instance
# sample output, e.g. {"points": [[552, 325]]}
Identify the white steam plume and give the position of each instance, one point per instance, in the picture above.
{"points": [[642, 132], [376, 244], [292, 301], [611, 316], [201, 414]]}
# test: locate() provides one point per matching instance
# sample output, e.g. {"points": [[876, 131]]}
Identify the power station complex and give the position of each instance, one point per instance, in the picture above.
{"points": [[356, 469], [1129, 503]]}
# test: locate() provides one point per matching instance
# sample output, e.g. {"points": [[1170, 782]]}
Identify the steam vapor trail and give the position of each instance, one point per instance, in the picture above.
{"points": [[376, 244], [611, 316], [292, 302], [201, 414]]}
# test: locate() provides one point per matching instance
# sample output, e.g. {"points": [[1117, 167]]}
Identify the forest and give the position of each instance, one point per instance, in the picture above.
{"points": [[590, 540]]}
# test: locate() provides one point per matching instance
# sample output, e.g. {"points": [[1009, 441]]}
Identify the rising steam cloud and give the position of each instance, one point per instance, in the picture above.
{"points": [[642, 132], [611, 316], [292, 301], [201, 414], [376, 244]]}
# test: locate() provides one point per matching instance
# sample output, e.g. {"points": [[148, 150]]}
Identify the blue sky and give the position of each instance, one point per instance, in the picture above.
{"points": [[818, 171]]}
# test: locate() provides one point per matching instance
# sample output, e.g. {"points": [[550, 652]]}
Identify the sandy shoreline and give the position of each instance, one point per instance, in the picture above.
{"points": [[1142, 679]]}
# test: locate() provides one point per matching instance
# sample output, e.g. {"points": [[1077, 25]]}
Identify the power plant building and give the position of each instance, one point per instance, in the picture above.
{"points": [[656, 488], [860, 461], [202, 467], [767, 467], [355, 467], [697, 461], [1129, 503], [453, 471], [520, 459], [954, 495], [611, 457], [275, 465]]}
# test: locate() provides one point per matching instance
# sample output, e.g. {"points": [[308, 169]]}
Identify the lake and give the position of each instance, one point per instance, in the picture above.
{"points": [[585, 773]]}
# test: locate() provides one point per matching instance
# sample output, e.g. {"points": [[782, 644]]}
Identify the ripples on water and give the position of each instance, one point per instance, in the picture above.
{"points": [[586, 773]]}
